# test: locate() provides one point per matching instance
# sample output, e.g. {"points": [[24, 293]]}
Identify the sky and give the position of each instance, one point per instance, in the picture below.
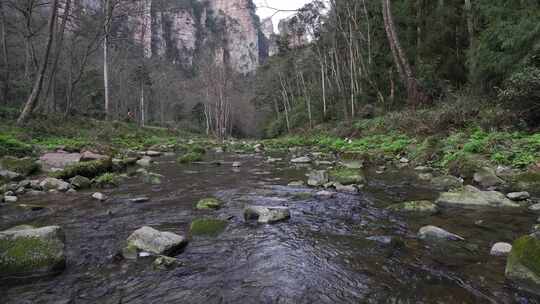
{"points": [[278, 4]]}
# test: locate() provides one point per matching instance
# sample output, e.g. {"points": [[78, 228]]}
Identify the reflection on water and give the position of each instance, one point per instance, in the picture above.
{"points": [[345, 249]]}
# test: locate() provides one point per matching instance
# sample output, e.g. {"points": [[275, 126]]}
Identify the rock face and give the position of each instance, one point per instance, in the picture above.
{"points": [[470, 196], [523, 263], [266, 215], [151, 240], [29, 251]]}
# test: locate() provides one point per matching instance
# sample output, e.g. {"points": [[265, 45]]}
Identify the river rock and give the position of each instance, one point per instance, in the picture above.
{"points": [[153, 153], [325, 194], [424, 207], [317, 178], [518, 196], [487, 178], [346, 176], [346, 188], [152, 178], [54, 161], [301, 160], [209, 204], [99, 196], [10, 199], [446, 182], [54, 184], [523, 263], [353, 164], [423, 169], [157, 242], [425, 176], [90, 156], [9, 175], [144, 162], [236, 164], [28, 251], [296, 184], [500, 249], [470, 196], [23, 166], [535, 208], [80, 182], [266, 215], [436, 233], [165, 263]]}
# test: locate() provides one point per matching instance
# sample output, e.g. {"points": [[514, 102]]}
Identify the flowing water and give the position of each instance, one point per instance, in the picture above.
{"points": [[345, 249]]}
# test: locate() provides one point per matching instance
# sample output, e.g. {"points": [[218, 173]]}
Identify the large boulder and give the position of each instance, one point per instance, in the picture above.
{"points": [[470, 196], [157, 242], [436, 233], [486, 177], [54, 184], [28, 251], [317, 178], [346, 176], [89, 169], [24, 166], [266, 215], [419, 207], [58, 161], [80, 182], [523, 263]]}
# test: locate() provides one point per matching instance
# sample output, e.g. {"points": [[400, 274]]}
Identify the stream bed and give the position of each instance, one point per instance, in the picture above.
{"points": [[343, 249]]}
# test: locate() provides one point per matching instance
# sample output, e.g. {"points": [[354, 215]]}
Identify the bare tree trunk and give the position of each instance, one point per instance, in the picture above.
{"points": [[38, 85], [107, 26], [143, 118], [470, 22], [5, 55], [58, 49], [415, 93], [323, 84]]}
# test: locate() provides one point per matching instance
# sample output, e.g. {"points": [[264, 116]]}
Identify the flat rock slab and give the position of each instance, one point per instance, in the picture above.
{"points": [[157, 242], [267, 215], [55, 161], [470, 196]]}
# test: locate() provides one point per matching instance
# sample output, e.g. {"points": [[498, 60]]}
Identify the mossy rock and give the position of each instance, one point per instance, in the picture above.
{"points": [[152, 178], [528, 181], [88, 169], [523, 263], [209, 204], [208, 227], [25, 251], [107, 180], [466, 165], [25, 166], [190, 158], [346, 176], [420, 207]]}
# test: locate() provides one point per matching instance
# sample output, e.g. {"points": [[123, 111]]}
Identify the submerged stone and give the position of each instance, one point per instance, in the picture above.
{"points": [[425, 207], [436, 233], [165, 263], [210, 227], [346, 176], [266, 215], [28, 251], [209, 204]]}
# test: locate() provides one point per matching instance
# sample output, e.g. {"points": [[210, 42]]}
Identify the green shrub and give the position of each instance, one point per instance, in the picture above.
{"points": [[12, 146], [89, 169]]}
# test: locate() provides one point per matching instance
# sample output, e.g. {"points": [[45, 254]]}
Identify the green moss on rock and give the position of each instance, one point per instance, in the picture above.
{"points": [[211, 227], [24, 166], [425, 207], [25, 251], [88, 169], [208, 203], [190, 158], [347, 176]]}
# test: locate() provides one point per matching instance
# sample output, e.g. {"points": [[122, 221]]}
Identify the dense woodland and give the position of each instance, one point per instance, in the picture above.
{"points": [[365, 58]]}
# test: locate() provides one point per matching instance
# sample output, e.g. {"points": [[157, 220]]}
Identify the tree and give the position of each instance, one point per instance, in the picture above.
{"points": [[38, 84]]}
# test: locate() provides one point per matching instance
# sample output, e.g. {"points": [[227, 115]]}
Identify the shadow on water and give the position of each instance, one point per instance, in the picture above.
{"points": [[345, 249]]}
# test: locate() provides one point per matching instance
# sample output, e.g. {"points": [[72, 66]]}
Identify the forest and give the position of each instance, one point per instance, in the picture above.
{"points": [[186, 150]]}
